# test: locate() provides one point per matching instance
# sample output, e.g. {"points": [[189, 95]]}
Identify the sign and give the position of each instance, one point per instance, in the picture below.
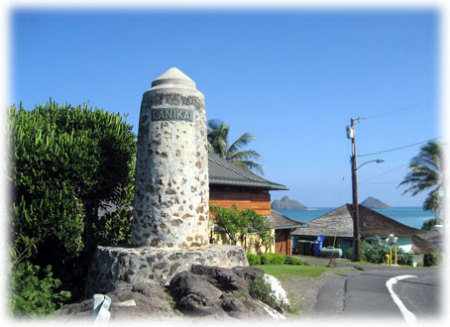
{"points": [[172, 114]]}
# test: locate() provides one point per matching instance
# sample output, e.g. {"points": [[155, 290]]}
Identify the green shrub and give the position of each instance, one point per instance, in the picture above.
{"points": [[253, 259], [237, 224], [405, 259], [431, 223], [431, 259], [260, 290], [363, 249], [272, 259], [34, 292], [65, 163], [293, 261], [375, 253], [348, 254]]}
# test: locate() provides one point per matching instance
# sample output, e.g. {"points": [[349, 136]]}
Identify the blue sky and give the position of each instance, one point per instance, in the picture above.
{"points": [[292, 78]]}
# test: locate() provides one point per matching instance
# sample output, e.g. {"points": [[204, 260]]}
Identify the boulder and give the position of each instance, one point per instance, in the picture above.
{"points": [[203, 291], [220, 292], [141, 300]]}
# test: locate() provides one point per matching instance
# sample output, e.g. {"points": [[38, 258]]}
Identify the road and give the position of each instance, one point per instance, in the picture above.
{"points": [[365, 295]]}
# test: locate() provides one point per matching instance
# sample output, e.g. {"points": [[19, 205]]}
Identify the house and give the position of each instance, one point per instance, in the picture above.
{"points": [[232, 185], [339, 224]]}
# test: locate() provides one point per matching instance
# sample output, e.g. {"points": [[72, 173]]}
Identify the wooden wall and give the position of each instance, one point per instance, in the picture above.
{"points": [[258, 202], [283, 243]]}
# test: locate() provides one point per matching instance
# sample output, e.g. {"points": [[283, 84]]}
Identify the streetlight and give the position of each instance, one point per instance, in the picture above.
{"points": [[356, 228]]}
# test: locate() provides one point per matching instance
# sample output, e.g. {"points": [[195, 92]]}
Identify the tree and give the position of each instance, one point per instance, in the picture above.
{"points": [[66, 162], [218, 144], [237, 224], [426, 174], [430, 224]]}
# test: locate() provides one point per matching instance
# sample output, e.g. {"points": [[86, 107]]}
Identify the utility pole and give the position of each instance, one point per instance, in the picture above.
{"points": [[356, 228]]}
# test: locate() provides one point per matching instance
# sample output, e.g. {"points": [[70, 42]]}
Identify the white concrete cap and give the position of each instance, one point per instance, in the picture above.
{"points": [[174, 76]]}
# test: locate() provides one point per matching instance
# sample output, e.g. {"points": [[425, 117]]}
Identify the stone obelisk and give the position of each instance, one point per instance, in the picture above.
{"points": [[171, 215], [172, 188]]}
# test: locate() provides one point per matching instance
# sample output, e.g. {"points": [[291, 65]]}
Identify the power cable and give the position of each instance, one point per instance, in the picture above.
{"points": [[380, 183], [384, 173], [398, 148], [385, 113]]}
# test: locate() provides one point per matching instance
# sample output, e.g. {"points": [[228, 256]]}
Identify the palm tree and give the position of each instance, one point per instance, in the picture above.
{"points": [[426, 174], [218, 144]]}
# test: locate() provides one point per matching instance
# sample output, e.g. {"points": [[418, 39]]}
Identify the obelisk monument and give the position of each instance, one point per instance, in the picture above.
{"points": [[171, 209], [172, 188]]}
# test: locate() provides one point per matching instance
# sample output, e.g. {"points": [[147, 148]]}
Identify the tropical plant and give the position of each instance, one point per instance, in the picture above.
{"points": [[237, 224], [272, 259], [431, 259], [261, 290], [293, 261], [426, 173], [34, 291], [253, 259], [430, 224], [66, 162], [218, 144]]}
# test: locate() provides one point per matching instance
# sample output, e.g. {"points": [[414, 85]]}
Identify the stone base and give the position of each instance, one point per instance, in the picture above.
{"points": [[112, 266]]}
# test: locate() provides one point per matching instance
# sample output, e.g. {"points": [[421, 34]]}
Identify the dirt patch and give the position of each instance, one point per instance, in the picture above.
{"points": [[303, 293]]}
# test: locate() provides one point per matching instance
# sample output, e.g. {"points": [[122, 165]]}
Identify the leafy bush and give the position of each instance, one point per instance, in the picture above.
{"points": [[66, 163], [375, 253], [293, 261], [348, 254], [35, 291], [260, 290], [431, 223], [363, 249], [431, 259], [253, 259], [272, 259], [237, 224], [405, 258]]}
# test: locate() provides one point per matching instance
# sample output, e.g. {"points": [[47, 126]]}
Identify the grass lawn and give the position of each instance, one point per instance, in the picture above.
{"points": [[284, 271]]}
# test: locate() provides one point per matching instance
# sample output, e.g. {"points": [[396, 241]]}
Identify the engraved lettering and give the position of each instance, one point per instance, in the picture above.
{"points": [[172, 114]]}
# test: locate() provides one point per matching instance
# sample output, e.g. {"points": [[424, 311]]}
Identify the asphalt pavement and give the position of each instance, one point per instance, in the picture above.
{"points": [[365, 294]]}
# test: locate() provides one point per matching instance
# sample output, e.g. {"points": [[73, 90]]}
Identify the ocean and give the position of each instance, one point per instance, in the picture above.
{"points": [[410, 216]]}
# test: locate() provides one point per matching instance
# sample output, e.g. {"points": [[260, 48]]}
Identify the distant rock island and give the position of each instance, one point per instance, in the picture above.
{"points": [[372, 202], [287, 204]]}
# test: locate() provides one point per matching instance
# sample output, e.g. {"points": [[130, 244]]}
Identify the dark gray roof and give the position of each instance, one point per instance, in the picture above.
{"points": [[429, 241], [372, 224], [278, 221], [222, 172]]}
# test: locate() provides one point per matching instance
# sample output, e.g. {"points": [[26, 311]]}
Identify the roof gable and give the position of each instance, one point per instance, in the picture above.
{"points": [[222, 172], [340, 221], [278, 221]]}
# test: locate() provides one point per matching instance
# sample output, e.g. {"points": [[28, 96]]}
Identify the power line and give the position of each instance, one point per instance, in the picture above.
{"points": [[398, 148], [385, 113], [385, 172], [380, 183]]}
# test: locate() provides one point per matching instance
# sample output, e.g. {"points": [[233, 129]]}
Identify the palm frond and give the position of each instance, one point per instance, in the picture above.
{"points": [[425, 174], [249, 165], [244, 155], [243, 140], [218, 144]]}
